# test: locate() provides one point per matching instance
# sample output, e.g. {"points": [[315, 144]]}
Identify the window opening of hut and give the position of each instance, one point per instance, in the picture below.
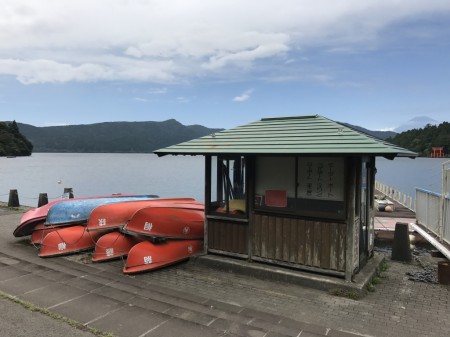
{"points": [[228, 187], [310, 186]]}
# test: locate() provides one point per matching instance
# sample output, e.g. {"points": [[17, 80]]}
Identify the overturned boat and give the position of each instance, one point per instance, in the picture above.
{"points": [[39, 233], [147, 256], [168, 222], [68, 240], [113, 245], [78, 211], [37, 215], [115, 216]]}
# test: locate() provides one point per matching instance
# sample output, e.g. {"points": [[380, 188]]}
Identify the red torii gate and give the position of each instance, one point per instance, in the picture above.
{"points": [[438, 152]]}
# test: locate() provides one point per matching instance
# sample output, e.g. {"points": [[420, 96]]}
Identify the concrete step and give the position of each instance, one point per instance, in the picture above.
{"points": [[99, 295]]}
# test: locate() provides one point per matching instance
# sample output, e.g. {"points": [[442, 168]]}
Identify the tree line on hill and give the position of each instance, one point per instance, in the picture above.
{"points": [[18, 139], [112, 137], [12, 142], [423, 140]]}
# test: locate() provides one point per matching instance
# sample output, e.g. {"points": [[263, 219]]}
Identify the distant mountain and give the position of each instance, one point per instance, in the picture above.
{"points": [[416, 123], [112, 137], [378, 134]]}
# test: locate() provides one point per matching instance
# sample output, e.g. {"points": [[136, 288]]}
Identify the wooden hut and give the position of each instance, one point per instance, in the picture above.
{"points": [[294, 192]]}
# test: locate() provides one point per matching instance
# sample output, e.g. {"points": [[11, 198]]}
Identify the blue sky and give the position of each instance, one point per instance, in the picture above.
{"points": [[373, 63]]}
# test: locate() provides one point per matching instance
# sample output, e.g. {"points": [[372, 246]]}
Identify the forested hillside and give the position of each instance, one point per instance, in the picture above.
{"points": [[112, 137], [12, 142], [422, 140]]}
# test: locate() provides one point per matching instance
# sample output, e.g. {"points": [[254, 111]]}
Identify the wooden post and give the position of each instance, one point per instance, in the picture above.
{"points": [[350, 200], [43, 199], [13, 199], [69, 191], [207, 200]]}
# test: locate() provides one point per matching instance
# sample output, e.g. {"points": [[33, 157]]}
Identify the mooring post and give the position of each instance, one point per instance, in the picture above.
{"points": [[69, 192], [401, 248], [13, 199], [43, 199]]}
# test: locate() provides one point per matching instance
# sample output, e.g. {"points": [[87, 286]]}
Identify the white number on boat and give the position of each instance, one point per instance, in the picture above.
{"points": [[61, 246], [186, 230], [148, 226], [190, 249], [109, 251], [102, 222], [147, 259]]}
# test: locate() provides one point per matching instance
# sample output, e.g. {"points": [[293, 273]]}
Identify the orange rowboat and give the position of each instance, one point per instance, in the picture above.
{"points": [[68, 240], [40, 231], [147, 256], [31, 218], [114, 216], [113, 246], [167, 222]]}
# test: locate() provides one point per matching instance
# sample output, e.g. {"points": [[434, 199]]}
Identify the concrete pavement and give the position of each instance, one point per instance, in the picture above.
{"points": [[191, 299]]}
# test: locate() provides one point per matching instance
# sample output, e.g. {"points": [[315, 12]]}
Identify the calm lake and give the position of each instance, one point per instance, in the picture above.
{"points": [[169, 176]]}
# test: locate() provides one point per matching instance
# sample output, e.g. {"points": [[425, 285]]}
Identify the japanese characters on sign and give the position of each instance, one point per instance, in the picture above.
{"points": [[321, 178]]}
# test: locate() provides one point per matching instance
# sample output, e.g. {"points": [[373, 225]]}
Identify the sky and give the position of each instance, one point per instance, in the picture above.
{"points": [[372, 63]]}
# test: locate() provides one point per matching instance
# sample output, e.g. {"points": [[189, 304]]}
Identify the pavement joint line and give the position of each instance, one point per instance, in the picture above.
{"points": [[250, 321], [67, 301], [104, 315], [154, 328], [33, 290], [212, 321]]}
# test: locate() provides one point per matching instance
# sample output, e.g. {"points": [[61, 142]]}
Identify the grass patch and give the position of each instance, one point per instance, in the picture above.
{"points": [[75, 324], [351, 294]]}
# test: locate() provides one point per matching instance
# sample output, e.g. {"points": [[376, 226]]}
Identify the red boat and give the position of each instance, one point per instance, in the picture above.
{"points": [[114, 216], [113, 246], [40, 231], [146, 256], [33, 217], [168, 222], [68, 240]]}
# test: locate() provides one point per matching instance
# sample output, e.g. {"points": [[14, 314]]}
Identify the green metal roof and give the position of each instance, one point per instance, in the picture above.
{"points": [[303, 135]]}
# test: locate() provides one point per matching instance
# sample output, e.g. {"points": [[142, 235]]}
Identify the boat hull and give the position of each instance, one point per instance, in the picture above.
{"points": [[40, 231], [167, 222], [78, 211], [68, 240], [115, 216], [112, 246], [147, 256], [37, 215]]}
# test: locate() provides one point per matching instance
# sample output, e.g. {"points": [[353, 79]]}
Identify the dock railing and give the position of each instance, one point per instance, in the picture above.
{"points": [[432, 209], [396, 195]]}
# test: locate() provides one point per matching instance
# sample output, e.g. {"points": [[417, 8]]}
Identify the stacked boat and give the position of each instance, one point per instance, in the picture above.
{"points": [[146, 231]]}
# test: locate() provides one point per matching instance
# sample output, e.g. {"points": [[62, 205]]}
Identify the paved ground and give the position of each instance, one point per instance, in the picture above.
{"points": [[190, 299]]}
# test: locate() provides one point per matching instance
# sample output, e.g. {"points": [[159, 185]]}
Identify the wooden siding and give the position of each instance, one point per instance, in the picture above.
{"points": [[228, 236], [315, 244]]}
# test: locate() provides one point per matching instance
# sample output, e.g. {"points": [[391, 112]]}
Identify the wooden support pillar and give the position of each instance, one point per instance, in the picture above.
{"points": [[13, 200], [350, 239], [207, 200]]}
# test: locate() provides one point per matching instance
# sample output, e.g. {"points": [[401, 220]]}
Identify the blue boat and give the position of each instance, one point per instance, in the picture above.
{"points": [[78, 211]]}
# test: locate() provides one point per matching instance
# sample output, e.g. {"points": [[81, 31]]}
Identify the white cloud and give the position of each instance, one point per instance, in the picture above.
{"points": [[140, 99], [157, 91], [244, 96], [171, 41], [182, 99], [387, 129]]}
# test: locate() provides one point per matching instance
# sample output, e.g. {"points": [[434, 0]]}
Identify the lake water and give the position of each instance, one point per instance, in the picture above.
{"points": [[168, 176]]}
